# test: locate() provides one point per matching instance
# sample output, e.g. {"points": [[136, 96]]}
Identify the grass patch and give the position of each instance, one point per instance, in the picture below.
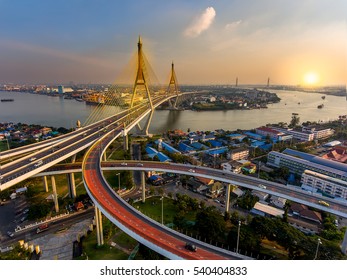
{"points": [[124, 240], [104, 252], [152, 209], [271, 248]]}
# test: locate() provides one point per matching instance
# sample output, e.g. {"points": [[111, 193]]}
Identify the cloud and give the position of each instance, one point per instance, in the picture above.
{"points": [[202, 23], [232, 25]]}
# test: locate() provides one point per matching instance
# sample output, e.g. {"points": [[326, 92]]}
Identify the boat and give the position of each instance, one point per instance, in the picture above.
{"points": [[94, 98], [320, 106], [7, 100]]}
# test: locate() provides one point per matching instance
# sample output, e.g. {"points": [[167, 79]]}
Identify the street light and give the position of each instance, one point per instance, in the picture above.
{"points": [[238, 238], [118, 174], [162, 210], [318, 243]]}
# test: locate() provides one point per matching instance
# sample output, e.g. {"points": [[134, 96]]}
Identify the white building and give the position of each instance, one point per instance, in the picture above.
{"points": [[319, 132], [299, 135], [319, 182]]}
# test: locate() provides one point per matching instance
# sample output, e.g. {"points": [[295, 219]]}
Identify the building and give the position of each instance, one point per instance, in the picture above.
{"points": [[268, 131], [299, 135], [266, 210], [318, 131], [303, 212], [279, 202], [337, 154], [261, 195], [318, 182], [239, 153], [297, 162], [61, 90], [232, 166]]}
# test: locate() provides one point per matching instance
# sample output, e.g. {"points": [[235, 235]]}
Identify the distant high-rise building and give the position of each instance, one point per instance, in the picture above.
{"points": [[61, 89], [268, 82], [237, 80]]}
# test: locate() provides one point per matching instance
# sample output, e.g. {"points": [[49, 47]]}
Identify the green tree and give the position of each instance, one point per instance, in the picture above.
{"points": [[209, 223], [295, 120]]}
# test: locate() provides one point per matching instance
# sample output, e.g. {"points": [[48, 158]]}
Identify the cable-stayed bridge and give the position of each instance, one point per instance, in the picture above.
{"points": [[96, 136]]}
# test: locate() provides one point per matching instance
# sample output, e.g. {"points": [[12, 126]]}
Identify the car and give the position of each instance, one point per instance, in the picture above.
{"points": [[38, 163], [10, 234], [32, 158], [191, 170], [191, 247], [25, 211], [23, 219], [123, 163], [322, 202], [140, 164], [262, 186]]}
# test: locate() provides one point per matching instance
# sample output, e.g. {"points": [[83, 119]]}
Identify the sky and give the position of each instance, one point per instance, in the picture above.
{"points": [[297, 42]]}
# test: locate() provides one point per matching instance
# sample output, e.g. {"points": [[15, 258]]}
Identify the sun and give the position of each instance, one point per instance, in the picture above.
{"points": [[311, 78]]}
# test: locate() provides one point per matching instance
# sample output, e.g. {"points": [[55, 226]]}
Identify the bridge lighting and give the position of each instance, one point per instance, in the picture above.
{"points": [[318, 243], [162, 210], [118, 174], [238, 238]]}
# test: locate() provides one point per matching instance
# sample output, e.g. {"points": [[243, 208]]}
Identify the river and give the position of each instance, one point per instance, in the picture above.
{"points": [[55, 111]]}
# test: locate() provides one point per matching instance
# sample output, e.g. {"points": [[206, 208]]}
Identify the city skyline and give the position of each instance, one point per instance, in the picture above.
{"points": [[296, 42]]}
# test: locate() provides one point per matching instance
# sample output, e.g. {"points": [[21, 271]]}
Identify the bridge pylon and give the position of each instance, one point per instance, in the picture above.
{"points": [[173, 87], [141, 82]]}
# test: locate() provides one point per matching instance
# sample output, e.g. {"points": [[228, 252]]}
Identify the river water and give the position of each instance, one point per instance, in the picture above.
{"points": [[55, 111]]}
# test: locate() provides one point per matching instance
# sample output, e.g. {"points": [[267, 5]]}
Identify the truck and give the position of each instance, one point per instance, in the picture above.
{"points": [[42, 228]]}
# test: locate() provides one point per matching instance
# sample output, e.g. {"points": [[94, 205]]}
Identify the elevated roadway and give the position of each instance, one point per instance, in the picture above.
{"points": [[337, 207], [29, 165], [159, 238]]}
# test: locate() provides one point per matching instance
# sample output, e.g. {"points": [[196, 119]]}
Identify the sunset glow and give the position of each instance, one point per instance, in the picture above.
{"points": [[311, 79]]}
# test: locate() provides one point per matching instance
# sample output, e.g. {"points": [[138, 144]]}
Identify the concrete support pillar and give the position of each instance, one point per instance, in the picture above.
{"points": [[55, 195], [125, 140], [71, 184], [98, 221], [344, 244], [148, 123], [143, 186], [45, 183], [73, 159], [227, 198], [104, 158]]}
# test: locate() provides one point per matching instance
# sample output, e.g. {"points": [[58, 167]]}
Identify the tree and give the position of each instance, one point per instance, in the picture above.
{"points": [[295, 120], [209, 223]]}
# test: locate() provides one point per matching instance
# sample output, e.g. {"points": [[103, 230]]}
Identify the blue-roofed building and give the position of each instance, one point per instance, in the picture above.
{"points": [[168, 147], [254, 136], [163, 158], [266, 147], [236, 136], [257, 144], [213, 152], [151, 152], [208, 137], [298, 162], [185, 148], [215, 143], [156, 180], [199, 146], [317, 160]]}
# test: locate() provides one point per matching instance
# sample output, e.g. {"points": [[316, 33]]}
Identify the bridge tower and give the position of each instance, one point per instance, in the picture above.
{"points": [[141, 82], [173, 86]]}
